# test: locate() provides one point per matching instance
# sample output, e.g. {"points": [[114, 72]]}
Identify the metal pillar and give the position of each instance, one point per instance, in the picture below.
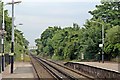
{"points": [[3, 58], [2, 41], [0, 62], [12, 43], [103, 43]]}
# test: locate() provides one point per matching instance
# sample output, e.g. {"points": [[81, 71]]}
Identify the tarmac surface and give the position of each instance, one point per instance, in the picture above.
{"points": [[21, 70]]}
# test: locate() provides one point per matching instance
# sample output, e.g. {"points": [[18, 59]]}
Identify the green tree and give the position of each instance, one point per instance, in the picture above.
{"points": [[68, 43], [112, 46], [109, 10]]}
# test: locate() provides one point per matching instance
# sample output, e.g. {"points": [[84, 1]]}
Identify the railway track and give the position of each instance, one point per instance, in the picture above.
{"points": [[55, 71]]}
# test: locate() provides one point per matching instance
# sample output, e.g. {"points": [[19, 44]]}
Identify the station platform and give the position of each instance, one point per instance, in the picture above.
{"points": [[0, 76], [106, 65], [22, 70]]}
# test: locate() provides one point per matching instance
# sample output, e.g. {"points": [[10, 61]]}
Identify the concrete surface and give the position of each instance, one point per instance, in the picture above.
{"points": [[107, 65], [21, 70]]}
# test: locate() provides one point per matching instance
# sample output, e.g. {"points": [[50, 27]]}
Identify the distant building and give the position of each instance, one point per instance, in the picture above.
{"points": [[32, 47]]}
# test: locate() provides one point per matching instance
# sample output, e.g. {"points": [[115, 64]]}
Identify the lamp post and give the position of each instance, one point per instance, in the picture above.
{"points": [[12, 41], [2, 33], [101, 45], [2, 40]]}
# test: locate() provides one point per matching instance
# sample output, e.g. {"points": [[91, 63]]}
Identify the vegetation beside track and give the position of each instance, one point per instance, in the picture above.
{"points": [[71, 43]]}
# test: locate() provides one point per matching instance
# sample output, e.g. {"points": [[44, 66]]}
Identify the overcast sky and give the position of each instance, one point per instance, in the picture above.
{"points": [[37, 15]]}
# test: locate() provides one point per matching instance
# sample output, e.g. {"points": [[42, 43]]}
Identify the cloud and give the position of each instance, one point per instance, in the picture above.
{"points": [[61, 0], [36, 17], [55, 0], [33, 26]]}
